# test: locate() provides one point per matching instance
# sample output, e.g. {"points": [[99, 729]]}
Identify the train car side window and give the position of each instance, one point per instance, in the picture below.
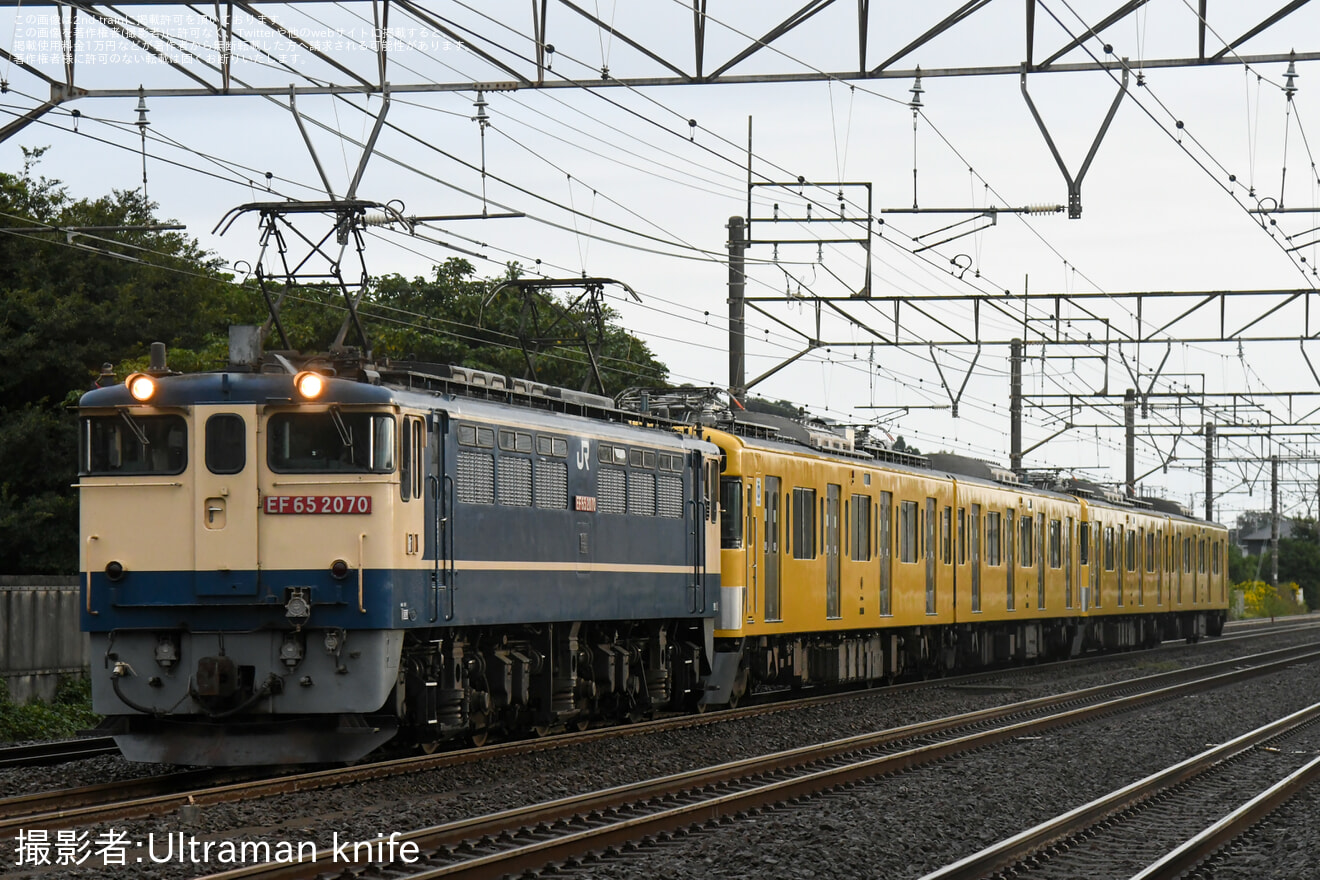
{"points": [[962, 536], [860, 526], [1056, 544], [731, 521], [1026, 544], [992, 538], [1150, 551], [635, 458], [907, 531], [226, 443], [1130, 552], [804, 523], [1084, 543], [1109, 548], [946, 536], [113, 445]]}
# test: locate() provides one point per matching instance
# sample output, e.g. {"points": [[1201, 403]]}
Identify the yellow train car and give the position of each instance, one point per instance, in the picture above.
{"points": [[842, 565]]}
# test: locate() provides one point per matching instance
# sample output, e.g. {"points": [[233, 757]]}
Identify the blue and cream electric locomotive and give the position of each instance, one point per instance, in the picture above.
{"points": [[297, 564]]}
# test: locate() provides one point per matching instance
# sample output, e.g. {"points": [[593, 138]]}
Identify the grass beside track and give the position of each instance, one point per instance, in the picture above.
{"points": [[62, 718]]}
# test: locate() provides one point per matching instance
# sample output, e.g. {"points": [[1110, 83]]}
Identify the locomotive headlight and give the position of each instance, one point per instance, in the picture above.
{"points": [[339, 568], [114, 571], [141, 386], [309, 384]]}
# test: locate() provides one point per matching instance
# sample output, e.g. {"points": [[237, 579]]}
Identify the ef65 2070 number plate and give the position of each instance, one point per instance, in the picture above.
{"points": [[317, 504]]}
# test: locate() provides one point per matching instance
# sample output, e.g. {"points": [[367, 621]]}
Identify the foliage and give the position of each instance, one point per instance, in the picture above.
{"points": [[1263, 600], [455, 318], [69, 713]]}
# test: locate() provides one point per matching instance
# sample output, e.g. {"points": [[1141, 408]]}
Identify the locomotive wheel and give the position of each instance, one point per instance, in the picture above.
{"points": [[480, 728], [739, 689]]}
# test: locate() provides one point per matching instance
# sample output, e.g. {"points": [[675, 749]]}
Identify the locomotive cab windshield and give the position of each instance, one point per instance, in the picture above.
{"points": [[332, 441], [123, 443]]}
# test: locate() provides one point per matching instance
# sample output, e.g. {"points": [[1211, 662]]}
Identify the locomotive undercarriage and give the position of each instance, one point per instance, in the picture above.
{"points": [[475, 683], [882, 656]]}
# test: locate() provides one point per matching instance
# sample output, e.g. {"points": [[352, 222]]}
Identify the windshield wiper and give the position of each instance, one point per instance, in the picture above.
{"points": [[345, 432], [135, 427]]}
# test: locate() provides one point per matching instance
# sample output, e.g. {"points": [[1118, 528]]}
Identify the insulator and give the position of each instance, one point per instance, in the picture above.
{"points": [[917, 92], [1290, 81], [1042, 209]]}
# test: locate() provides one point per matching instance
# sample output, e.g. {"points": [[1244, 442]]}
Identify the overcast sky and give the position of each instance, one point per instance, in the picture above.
{"points": [[617, 183]]}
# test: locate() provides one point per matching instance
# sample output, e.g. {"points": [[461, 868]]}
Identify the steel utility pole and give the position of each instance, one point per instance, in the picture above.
{"points": [[1209, 471], [737, 325], [1274, 520], [1130, 443], [1015, 405]]}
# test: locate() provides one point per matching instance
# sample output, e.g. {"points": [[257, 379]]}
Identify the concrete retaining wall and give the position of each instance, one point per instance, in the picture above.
{"points": [[39, 638]]}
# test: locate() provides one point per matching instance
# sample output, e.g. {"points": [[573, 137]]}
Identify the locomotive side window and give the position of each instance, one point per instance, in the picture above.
{"points": [[226, 443], [115, 445], [731, 510], [552, 446], [476, 435], [413, 459], [331, 442]]}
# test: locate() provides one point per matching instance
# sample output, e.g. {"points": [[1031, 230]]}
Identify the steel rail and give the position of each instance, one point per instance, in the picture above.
{"points": [[1012, 850], [1234, 825], [57, 752]]}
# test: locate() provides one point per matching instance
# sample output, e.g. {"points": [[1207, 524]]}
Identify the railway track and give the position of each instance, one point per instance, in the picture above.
{"points": [[57, 752], [164, 793], [559, 832], [1175, 818]]}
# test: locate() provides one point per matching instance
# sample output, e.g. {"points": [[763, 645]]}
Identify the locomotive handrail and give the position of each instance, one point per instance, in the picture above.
{"points": [[90, 539], [448, 493], [118, 485], [353, 482], [362, 561]]}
